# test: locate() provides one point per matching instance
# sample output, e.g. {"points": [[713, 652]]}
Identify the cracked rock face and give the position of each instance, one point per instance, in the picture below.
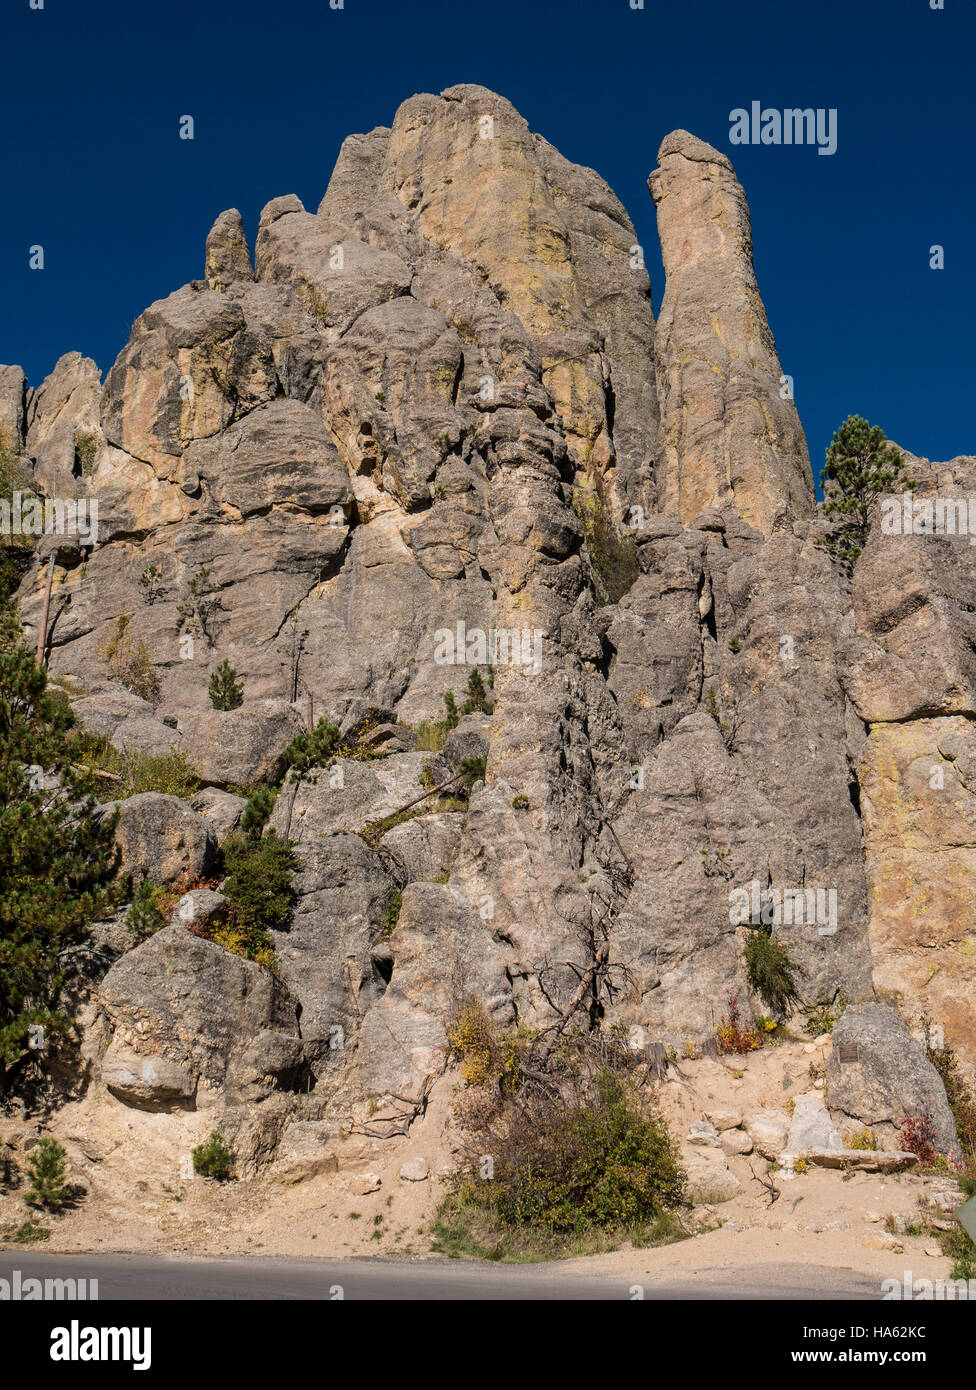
{"points": [[423, 416]]}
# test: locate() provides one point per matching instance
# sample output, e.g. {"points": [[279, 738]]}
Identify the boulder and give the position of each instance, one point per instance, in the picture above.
{"points": [[811, 1126], [129, 723], [148, 1082], [201, 909], [704, 1134], [769, 1131], [710, 1180], [238, 747], [161, 839], [735, 1141], [221, 810], [724, 1117], [892, 1079], [211, 1013]]}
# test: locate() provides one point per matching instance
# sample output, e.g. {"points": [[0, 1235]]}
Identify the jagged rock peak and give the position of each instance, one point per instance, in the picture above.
{"points": [[462, 174], [730, 434], [227, 257]]}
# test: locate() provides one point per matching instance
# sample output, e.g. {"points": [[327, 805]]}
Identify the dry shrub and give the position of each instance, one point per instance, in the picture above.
{"points": [[575, 1147]]}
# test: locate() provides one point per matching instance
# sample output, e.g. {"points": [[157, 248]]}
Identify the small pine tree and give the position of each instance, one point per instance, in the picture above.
{"points": [[213, 1159], [259, 806], [453, 718], [860, 467], [313, 747], [225, 692], [258, 883], [48, 1176], [477, 695]]}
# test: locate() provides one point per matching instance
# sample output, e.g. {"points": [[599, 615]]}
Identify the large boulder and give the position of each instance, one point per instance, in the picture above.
{"points": [[129, 723], [213, 1017], [238, 747], [161, 839], [879, 1075]]}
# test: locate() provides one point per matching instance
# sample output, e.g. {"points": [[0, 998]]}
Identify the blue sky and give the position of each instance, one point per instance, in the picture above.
{"points": [[95, 172]]}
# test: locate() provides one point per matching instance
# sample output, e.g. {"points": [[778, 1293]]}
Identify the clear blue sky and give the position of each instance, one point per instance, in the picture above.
{"points": [[94, 170]]}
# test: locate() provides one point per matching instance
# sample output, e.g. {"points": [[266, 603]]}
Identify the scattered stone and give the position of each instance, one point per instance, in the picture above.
{"points": [[880, 1240], [364, 1183], [724, 1119], [769, 1131], [703, 1133], [415, 1170], [736, 1141]]}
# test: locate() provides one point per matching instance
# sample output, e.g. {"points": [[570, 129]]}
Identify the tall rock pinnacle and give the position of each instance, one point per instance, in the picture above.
{"points": [[729, 439]]}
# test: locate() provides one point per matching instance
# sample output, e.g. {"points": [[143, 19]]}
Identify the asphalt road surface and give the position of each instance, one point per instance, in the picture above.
{"points": [[153, 1277]]}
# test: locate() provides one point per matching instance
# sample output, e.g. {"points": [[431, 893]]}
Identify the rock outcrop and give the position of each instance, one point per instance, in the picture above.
{"points": [[409, 440], [730, 434]]}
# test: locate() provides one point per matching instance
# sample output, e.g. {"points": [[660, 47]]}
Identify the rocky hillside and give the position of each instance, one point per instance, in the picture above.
{"points": [[429, 427]]}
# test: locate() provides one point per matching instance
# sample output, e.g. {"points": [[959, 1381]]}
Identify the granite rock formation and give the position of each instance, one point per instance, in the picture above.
{"points": [[430, 411]]}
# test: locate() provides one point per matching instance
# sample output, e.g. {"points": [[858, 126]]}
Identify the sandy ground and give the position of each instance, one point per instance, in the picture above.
{"points": [[139, 1200]]}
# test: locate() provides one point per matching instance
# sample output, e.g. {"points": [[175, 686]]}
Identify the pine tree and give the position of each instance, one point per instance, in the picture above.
{"points": [[56, 859], [453, 717], [48, 1176], [860, 467], [477, 695], [225, 693]]}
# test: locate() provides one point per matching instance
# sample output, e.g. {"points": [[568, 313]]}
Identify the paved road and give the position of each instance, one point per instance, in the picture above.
{"points": [[152, 1277]]}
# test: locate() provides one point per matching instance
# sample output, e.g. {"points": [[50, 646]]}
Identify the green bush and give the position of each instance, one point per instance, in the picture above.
{"points": [[213, 1159], [259, 880], [606, 1163], [313, 748], [260, 804], [225, 690], [47, 1173], [770, 970]]}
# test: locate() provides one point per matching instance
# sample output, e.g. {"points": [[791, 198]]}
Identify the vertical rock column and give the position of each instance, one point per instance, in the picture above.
{"points": [[728, 437]]}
